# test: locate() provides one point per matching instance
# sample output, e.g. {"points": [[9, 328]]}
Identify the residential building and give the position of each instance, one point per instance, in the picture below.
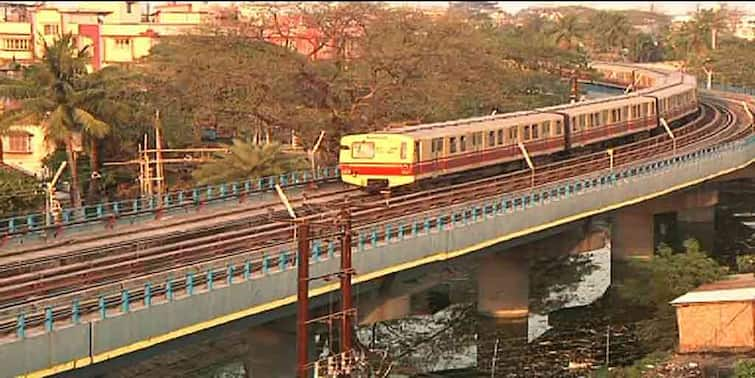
{"points": [[114, 32], [745, 28]]}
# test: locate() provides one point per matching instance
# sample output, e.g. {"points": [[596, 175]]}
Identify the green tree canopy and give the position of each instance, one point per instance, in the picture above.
{"points": [[247, 161]]}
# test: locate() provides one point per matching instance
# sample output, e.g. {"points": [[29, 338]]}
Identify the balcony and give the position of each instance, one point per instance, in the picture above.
{"points": [[15, 28]]}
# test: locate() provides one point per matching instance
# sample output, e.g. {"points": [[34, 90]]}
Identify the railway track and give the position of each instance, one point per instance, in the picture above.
{"points": [[89, 276]]}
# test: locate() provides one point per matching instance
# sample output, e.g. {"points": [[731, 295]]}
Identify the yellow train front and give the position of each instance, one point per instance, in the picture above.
{"points": [[377, 161]]}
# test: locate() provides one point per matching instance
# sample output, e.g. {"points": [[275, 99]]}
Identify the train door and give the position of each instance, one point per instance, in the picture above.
{"points": [[436, 154], [416, 160]]}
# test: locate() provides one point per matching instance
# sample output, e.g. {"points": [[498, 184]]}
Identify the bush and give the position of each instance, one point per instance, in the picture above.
{"points": [[746, 263], [19, 193], [744, 369]]}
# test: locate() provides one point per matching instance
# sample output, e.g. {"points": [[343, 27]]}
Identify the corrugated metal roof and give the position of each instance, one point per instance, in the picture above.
{"points": [[730, 295]]}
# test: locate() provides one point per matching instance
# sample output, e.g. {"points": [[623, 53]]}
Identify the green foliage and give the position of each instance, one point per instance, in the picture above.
{"points": [[746, 263], [19, 193], [247, 161], [744, 369]]}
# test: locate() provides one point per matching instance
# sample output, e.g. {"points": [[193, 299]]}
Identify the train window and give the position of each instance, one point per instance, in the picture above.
{"points": [[477, 139], [403, 150], [513, 133], [644, 110], [606, 116], [527, 132], [362, 150], [500, 136], [462, 143], [582, 122], [625, 113], [437, 145], [573, 123], [546, 129], [558, 127], [534, 132], [452, 145], [491, 138]]}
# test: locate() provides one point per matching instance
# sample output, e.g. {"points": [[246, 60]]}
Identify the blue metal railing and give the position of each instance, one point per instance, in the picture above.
{"points": [[139, 209], [163, 290]]}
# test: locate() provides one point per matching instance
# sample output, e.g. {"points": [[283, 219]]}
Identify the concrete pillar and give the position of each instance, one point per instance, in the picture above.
{"points": [[632, 233], [269, 353], [503, 285], [389, 308]]}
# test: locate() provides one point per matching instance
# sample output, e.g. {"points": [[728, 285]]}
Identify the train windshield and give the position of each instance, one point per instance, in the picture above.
{"points": [[363, 150]]}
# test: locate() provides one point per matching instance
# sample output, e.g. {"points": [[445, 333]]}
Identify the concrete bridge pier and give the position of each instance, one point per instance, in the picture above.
{"points": [[503, 285], [639, 229], [270, 352]]}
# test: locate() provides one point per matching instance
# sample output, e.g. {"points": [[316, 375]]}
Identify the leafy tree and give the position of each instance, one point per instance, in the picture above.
{"points": [[19, 193], [610, 30], [568, 31], [48, 95], [247, 161]]}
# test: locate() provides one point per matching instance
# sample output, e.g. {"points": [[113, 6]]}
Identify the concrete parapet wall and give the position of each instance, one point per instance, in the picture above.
{"points": [[143, 328]]}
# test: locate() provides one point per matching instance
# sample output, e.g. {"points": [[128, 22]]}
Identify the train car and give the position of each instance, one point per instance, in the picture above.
{"points": [[409, 154], [377, 160]]}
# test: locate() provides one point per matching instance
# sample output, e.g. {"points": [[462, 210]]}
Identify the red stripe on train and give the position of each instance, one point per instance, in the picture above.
{"points": [[377, 169]]}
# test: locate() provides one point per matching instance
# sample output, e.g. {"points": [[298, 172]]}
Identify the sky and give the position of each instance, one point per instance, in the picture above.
{"points": [[668, 7]]}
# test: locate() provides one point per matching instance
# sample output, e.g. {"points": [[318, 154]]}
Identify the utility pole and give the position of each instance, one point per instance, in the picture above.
{"points": [[346, 272], [159, 160], [302, 299]]}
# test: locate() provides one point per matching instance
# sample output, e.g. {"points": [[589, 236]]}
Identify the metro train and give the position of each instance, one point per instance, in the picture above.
{"points": [[402, 156]]}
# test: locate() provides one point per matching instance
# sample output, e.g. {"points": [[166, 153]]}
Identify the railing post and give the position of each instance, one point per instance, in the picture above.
{"points": [[361, 242], [103, 308], [374, 238], [427, 225], [316, 249], [387, 236], [400, 231], [209, 279], [264, 264], [331, 249], [21, 326], [189, 283], [282, 261], [147, 294], [124, 301], [48, 319], [247, 270], [169, 290], [229, 276], [75, 311]]}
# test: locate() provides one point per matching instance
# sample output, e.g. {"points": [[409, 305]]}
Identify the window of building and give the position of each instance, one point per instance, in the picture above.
{"points": [[51, 29], [122, 43], [19, 142], [16, 44]]}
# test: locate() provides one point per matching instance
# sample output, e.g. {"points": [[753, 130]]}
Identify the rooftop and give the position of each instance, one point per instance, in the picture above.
{"points": [[735, 288]]}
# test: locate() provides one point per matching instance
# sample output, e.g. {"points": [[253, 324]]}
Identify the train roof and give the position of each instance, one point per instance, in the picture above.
{"points": [[667, 83]]}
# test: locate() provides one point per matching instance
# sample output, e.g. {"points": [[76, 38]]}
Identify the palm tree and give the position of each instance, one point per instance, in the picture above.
{"points": [[246, 160], [50, 95], [567, 31]]}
